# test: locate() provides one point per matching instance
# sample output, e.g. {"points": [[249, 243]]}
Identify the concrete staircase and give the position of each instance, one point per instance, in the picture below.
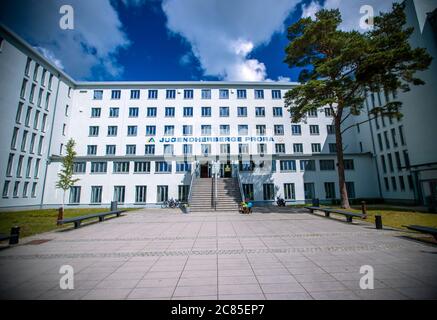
{"points": [[228, 195]]}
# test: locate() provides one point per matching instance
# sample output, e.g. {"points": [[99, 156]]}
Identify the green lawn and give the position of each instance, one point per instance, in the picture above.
{"points": [[39, 221], [397, 218]]}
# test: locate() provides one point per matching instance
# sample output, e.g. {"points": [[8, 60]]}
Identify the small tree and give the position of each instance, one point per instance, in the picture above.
{"points": [[340, 68], [65, 176]]}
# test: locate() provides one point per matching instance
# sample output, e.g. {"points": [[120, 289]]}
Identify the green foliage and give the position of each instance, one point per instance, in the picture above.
{"points": [[65, 176]]}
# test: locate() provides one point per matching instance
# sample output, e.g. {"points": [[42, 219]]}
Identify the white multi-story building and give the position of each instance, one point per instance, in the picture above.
{"points": [[139, 143]]}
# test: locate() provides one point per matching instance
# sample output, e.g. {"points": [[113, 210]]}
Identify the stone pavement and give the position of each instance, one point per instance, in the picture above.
{"points": [[162, 254]]}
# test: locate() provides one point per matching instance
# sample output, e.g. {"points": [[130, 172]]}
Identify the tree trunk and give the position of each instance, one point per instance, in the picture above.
{"points": [[340, 164]]}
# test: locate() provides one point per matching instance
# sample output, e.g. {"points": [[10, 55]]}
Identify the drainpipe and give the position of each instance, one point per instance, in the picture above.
{"points": [[50, 142]]}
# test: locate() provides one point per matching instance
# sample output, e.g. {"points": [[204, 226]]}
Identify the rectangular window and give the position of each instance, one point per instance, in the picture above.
{"points": [[36, 170], [224, 94], [149, 149], [309, 190], [10, 163], [14, 139], [96, 194], [387, 141], [110, 149], [47, 101], [170, 94], [280, 148], [114, 112], [188, 94], [27, 68], [383, 164], [260, 129], [93, 131], [327, 165], [296, 130], [312, 114], [40, 145], [206, 111], [402, 183], [29, 167], [183, 192], [188, 112], [98, 95], [205, 130], [163, 167], [276, 94], [135, 94], [332, 148], [28, 114], [330, 190], [131, 149], [205, 149], [401, 135], [381, 148], [151, 112], [115, 94], [187, 130], [132, 131], [390, 162], [169, 112], [35, 72], [153, 94], [34, 189], [224, 112], [120, 167], [410, 182], [225, 130], [32, 93], [243, 130], [394, 184], [398, 160], [386, 184], [288, 165], [316, 148], [260, 112], [277, 112], [328, 112], [307, 165], [140, 194], [246, 166], [112, 131], [330, 129], [350, 187], [242, 112], [268, 191], [75, 195], [19, 112], [19, 166], [133, 112], [298, 148], [187, 149], [314, 130], [289, 191], [393, 137], [261, 148], [150, 131], [349, 164], [24, 141], [119, 194], [183, 167], [259, 94], [162, 193], [243, 148], [279, 130], [96, 112], [225, 148], [206, 94], [79, 167], [25, 189], [168, 149], [248, 191], [23, 89], [142, 167], [168, 130], [241, 94], [406, 159]]}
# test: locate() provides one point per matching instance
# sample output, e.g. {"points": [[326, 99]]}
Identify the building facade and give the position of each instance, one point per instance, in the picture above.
{"points": [[139, 143]]}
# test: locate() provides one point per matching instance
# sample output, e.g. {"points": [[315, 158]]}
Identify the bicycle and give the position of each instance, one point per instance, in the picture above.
{"points": [[172, 203]]}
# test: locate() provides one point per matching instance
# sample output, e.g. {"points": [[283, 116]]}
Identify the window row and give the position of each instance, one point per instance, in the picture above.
{"points": [[32, 116], [398, 183], [25, 187], [390, 138], [388, 158], [35, 141]]}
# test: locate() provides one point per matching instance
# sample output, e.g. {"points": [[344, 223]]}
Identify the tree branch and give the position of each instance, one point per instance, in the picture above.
{"points": [[357, 124]]}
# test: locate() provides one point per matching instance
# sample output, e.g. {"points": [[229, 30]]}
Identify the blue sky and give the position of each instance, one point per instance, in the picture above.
{"points": [[170, 40]]}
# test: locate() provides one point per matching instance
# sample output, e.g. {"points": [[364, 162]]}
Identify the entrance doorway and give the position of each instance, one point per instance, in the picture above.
{"points": [[205, 170], [226, 170]]}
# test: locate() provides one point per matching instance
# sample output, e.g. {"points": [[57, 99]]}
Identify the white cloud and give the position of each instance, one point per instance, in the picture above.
{"points": [[310, 9], [50, 56], [222, 36], [88, 50]]}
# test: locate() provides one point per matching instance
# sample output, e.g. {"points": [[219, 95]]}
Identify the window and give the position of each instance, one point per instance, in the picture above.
{"points": [[243, 130], [9, 167], [23, 89], [332, 148], [243, 148], [19, 112], [135, 94], [330, 129], [329, 190], [141, 167], [25, 189], [32, 93], [383, 164], [162, 193], [224, 112], [149, 149], [40, 145], [398, 160], [393, 137], [36, 170], [314, 130], [205, 130], [75, 195], [307, 165], [241, 94], [406, 159], [119, 193], [327, 165], [79, 167], [276, 94], [169, 112], [205, 149], [115, 94], [328, 112], [188, 94], [187, 130], [259, 94], [316, 148], [168, 149], [93, 131], [98, 94], [350, 187], [298, 148], [381, 148], [150, 130], [390, 162], [246, 166], [151, 112], [112, 131], [162, 167], [394, 184], [206, 111], [50, 81], [26, 70], [183, 167], [170, 94], [187, 149], [260, 129], [19, 166], [99, 167], [280, 148], [110, 149], [183, 192], [289, 192], [32, 143], [96, 112], [248, 191], [225, 130], [386, 184], [28, 114], [410, 182], [132, 131], [279, 130], [47, 101], [277, 112], [39, 101], [268, 191], [24, 140], [188, 112], [169, 130], [206, 94], [153, 94], [96, 194], [261, 148], [312, 114], [224, 94], [309, 190], [114, 112], [140, 194], [120, 167], [131, 149], [296, 130], [242, 112], [14, 138], [225, 148], [260, 111], [349, 164], [133, 112], [288, 165], [401, 135], [34, 186], [402, 183]]}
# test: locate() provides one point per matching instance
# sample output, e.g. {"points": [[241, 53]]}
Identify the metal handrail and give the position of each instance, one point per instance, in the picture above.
{"points": [[240, 185], [193, 177], [215, 191]]}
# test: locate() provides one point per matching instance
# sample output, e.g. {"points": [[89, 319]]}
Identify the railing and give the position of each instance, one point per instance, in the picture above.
{"points": [[240, 185], [214, 181], [194, 175]]}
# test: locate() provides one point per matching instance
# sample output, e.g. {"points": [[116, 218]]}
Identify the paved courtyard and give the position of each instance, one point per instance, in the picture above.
{"points": [[156, 254]]}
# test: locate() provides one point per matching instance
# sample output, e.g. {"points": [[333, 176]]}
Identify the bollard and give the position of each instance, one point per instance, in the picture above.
{"points": [[15, 235], [378, 222], [316, 203], [60, 215], [364, 209], [113, 205]]}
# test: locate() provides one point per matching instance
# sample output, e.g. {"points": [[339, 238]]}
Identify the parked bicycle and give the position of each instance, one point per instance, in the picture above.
{"points": [[172, 203]]}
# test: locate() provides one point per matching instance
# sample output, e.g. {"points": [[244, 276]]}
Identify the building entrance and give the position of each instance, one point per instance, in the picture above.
{"points": [[205, 170], [226, 170]]}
